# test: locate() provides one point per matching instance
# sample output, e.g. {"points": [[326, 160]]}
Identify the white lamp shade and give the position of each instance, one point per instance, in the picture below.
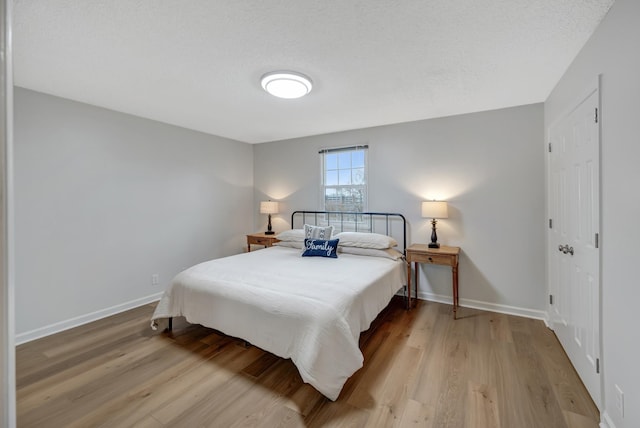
{"points": [[434, 209], [268, 207]]}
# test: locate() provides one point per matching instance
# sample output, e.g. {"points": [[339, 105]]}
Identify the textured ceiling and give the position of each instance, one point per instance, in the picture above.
{"points": [[197, 63]]}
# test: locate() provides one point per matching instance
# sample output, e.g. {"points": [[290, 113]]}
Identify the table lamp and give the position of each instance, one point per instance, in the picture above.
{"points": [[434, 210], [269, 207]]}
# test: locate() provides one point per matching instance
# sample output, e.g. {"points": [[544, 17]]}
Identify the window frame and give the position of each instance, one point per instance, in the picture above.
{"points": [[338, 168]]}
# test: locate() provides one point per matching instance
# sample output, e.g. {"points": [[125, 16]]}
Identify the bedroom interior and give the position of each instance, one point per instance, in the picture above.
{"points": [[107, 198]]}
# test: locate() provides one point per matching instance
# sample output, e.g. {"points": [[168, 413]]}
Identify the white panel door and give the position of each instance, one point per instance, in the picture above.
{"points": [[558, 227], [574, 263]]}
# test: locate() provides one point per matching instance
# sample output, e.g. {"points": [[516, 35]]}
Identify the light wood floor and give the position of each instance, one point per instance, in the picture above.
{"points": [[421, 369]]}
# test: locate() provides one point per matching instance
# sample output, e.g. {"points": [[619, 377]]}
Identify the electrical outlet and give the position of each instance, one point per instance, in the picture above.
{"points": [[155, 279], [619, 400]]}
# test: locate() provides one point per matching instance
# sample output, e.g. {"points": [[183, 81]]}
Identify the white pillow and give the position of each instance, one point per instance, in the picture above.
{"points": [[317, 232], [290, 244], [387, 253], [296, 235], [365, 240]]}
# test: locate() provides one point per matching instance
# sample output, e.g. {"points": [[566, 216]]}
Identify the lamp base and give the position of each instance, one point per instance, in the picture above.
{"points": [[269, 229], [434, 235]]}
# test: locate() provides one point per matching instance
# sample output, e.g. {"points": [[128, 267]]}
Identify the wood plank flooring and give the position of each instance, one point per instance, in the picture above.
{"points": [[422, 369]]}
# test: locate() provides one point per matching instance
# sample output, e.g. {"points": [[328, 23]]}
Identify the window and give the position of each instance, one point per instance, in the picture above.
{"points": [[344, 178]]}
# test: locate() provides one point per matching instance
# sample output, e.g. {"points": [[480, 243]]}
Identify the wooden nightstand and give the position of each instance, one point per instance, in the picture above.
{"points": [[260, 239], [447, 256]]}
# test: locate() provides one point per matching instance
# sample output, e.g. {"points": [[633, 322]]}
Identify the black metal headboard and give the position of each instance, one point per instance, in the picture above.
{"points": [[342, 221]]}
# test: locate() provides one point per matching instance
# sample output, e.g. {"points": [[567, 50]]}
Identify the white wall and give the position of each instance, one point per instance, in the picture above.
{"points": [[613, 52], [103, 200], [489, 166]]}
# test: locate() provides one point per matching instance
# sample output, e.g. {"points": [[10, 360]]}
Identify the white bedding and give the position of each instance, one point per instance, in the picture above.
{"points": [[309, 309]]}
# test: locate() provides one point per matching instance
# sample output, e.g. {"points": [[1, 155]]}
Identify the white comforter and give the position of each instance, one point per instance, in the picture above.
{"points": [[309, 309]]}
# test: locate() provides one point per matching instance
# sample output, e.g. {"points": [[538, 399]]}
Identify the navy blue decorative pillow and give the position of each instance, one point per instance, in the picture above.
{"points": [[320, 248]]}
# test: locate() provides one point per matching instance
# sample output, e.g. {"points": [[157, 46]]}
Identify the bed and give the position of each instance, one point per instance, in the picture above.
{"points": [[309, 309]]}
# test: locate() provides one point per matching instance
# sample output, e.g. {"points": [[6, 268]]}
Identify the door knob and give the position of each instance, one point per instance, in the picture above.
{"points": [[565, 249]]}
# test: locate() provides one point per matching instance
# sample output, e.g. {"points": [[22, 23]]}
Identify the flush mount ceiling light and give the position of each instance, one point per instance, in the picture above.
{"points": [[286, 84]]}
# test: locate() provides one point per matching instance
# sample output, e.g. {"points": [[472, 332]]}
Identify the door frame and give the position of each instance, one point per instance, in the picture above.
{"points": [[7, 327], [595, 85]]}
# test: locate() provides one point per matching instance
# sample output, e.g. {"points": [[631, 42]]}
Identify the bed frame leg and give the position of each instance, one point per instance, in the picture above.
{"points": [[170, 324]]}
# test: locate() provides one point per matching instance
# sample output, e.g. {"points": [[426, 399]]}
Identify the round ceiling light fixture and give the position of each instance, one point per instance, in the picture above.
{"points": [[286, 84]]}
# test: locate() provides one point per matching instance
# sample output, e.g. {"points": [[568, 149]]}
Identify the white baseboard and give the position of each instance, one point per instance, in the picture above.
{"points": [[486, 306], [84, 319], [103, 313]]}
